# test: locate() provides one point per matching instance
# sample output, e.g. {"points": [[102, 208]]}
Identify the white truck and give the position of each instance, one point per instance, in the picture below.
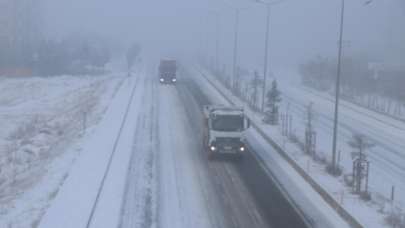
{"points": [[224, 128]]}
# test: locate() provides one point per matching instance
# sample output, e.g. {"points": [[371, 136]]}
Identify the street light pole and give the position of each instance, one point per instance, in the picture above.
{"points": [[266, 46], [216, 43], [216, 51], [337, 96], [235, 48], [266, 55]]}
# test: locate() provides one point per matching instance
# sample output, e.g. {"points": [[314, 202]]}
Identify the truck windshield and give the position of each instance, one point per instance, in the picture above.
{"points": [[167, 66], [227, 123]]}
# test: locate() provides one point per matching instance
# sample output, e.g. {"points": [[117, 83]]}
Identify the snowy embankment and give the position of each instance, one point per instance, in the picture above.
{"points": [[93, 193], [365, 212], [43, 121], [387, 156]]}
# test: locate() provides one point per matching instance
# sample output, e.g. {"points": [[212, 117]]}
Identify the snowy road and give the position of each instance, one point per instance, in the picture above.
{"points": [[137, 208], [246, 191], [171, 183]]}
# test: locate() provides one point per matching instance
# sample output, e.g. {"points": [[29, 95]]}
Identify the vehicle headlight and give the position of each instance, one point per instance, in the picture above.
{"points": [[174, 80], [213, 148], [242, 148], [162, 80]]}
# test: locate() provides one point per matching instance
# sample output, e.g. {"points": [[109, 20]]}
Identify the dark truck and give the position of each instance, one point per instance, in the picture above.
{"points": [[167, 71]]}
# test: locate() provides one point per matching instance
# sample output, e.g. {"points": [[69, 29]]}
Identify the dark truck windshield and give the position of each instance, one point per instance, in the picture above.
{"points": [[168, 66], [228, 123]]}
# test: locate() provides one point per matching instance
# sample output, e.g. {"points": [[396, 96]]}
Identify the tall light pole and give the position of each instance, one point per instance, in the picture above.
{"points": [[216, 42], [216, 48], [235, 48], [235, 42], [266, 47], [337, 95], [337, 88], [266, 55]]}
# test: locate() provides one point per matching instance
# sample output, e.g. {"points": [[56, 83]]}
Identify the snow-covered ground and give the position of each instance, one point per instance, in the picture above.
{"points": [[43, 122], [79, 194], [386, 164]]}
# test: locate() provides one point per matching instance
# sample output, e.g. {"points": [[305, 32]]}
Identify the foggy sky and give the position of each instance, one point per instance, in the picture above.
{"points": [[299, 29]]}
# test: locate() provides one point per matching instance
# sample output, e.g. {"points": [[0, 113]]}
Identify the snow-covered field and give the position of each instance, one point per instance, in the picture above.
{"points": [[44, 120], [386, 157]]}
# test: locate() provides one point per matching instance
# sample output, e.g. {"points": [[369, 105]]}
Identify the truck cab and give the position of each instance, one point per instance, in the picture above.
{"points": [[167, 71], [224, 128]]}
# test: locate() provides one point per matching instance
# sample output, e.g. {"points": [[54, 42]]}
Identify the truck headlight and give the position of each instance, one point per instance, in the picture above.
{"points": [[174, 80], [242, 148], [213, 148], [162, 80]]}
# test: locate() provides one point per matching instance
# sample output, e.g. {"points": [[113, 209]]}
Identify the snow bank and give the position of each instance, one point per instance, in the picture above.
{"points": [[73, 203]]}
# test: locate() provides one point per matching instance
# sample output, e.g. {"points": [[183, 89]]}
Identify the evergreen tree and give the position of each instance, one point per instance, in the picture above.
{"points": [[273, 98], [256, 81]]}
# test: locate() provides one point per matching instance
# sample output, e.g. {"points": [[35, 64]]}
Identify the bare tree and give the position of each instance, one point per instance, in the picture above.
{"points": [[310, 134], [360, 143], [20, 33], [256, 81]]}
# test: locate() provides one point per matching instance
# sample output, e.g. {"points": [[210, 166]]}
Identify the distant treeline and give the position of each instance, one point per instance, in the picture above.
{"points": [[24, 49], [357, 80], [49, 57]]}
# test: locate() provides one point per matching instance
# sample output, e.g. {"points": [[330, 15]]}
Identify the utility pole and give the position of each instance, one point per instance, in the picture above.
{"points": [[266, 45], [235, 48], [337, 96], [216, 43], [266, 55], [216, 28]]}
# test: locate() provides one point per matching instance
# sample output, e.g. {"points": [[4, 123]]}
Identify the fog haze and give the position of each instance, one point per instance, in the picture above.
{"points": [[299, 29]]}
